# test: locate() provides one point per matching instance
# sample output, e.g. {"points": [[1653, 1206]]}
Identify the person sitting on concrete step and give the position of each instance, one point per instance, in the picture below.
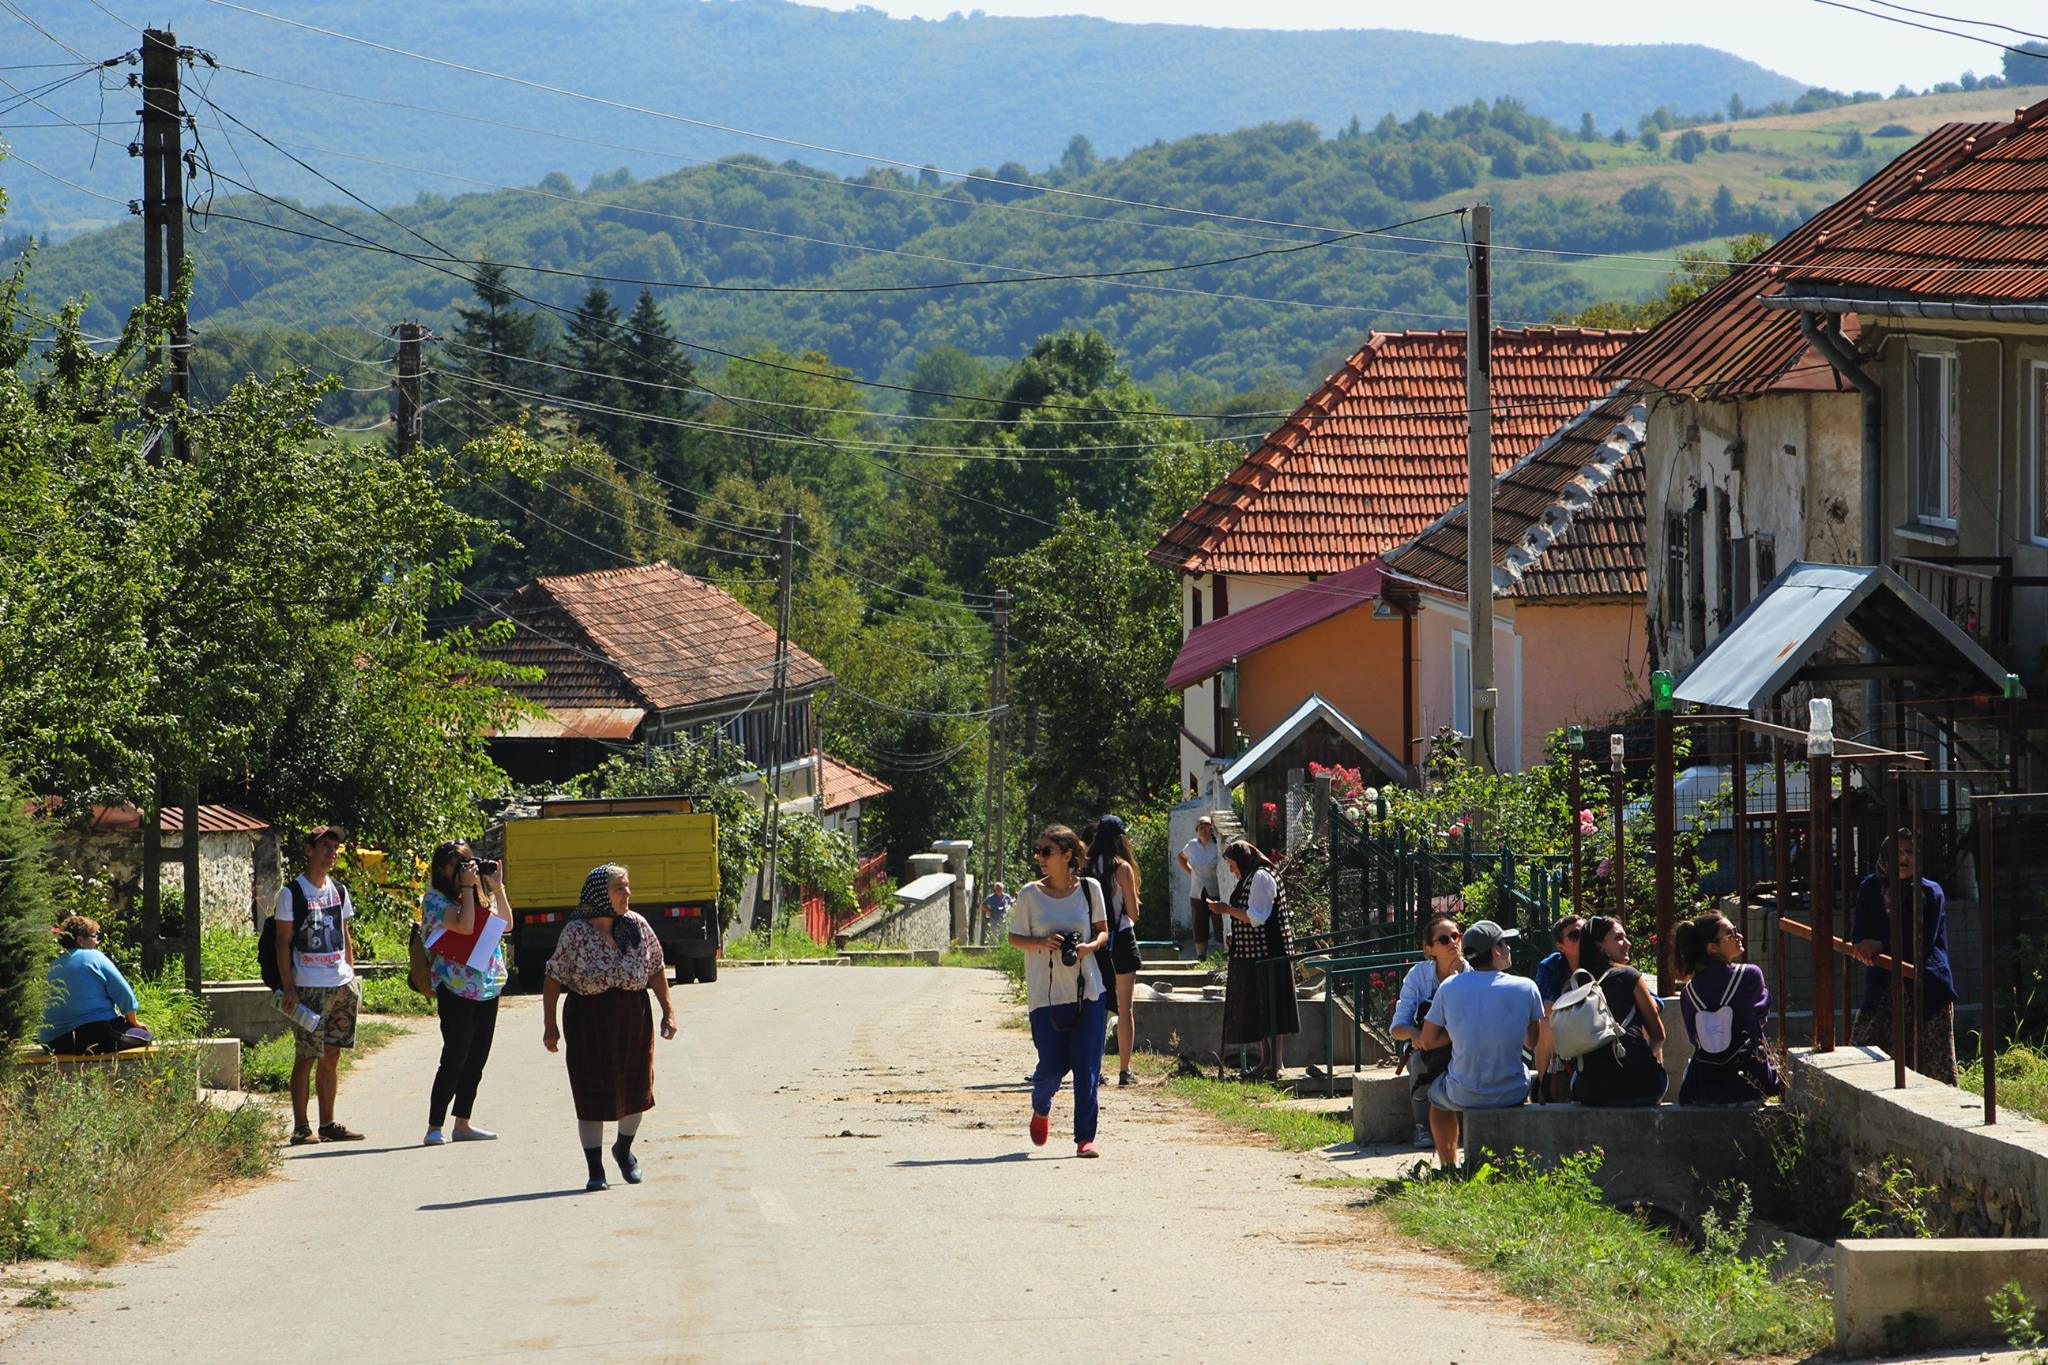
{"points": [[1629, 1072], [1488, 1017], [1443, 958], [1723, 1005], [89, 1007]]}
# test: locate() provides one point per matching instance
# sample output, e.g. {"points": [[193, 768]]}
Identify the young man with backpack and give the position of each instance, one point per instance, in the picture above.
{"points": [[315, 965]]}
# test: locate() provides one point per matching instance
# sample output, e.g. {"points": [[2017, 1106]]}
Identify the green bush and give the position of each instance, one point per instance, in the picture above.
{"points": [[25, 920], [93, 1162], [391, 994]]}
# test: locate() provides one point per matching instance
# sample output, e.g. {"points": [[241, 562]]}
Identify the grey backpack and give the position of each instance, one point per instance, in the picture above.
{"points": [[1580, 1020]]}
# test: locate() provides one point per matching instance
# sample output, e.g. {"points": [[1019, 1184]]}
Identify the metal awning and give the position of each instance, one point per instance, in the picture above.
{"points": [[578, 722], [1305, 715], [1777, 639], [1212, 645]]}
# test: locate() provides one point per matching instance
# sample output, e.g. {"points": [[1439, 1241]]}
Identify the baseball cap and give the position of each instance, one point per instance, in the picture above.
{"points": [[319, 832], [1482, 938]]}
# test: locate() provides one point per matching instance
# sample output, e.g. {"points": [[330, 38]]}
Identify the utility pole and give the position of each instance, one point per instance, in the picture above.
{"points": [[999, 737], [765, 900], [163, 259], [406, 414], [1479, 493]]}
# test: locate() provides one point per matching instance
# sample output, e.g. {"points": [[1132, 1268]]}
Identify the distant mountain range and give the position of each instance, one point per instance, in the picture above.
{"points": [[962, 93]]}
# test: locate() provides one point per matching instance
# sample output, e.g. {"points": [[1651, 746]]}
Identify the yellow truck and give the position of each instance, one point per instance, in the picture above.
{"points": [[670, 848]]}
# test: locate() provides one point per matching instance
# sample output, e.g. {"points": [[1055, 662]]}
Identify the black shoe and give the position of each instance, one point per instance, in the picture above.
{"points": [[597, 1182], [629, 1165]]}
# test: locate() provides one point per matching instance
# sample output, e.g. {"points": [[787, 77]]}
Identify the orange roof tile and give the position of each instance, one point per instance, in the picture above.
{"points": [[650, 636], [1726, 345], [1378, 452], [845, 784], [1568, 519]]}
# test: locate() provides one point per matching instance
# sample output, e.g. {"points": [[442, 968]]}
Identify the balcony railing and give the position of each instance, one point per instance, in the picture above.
{"points": [[1974, 591]]}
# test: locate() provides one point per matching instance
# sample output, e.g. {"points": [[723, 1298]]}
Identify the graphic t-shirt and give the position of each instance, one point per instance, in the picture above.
{"points": [[320, 952]]}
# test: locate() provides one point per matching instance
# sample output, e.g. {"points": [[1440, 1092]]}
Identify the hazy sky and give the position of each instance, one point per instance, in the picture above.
{"points": [[1805, 40]]}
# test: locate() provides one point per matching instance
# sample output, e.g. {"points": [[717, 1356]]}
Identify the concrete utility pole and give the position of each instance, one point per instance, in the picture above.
{"points": [[406, 413], [999, 734], [1479, 492], [765, 900]]}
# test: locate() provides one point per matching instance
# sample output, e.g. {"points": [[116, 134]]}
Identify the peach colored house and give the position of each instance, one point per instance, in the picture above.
{"points": [[1383, 648], [1370, 461]]}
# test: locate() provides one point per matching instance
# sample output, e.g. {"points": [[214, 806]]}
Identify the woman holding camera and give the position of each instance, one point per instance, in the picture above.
{"points": [[1060, 923], [606, 962], [461, 893]]}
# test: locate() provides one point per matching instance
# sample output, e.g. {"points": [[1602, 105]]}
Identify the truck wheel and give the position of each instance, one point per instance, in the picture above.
{"points": [[707, 969]]}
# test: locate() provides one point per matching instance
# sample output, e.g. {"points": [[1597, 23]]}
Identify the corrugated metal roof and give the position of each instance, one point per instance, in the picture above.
{"points": [[650, 636], [1378, 452], [1792, 621], [1215, 643], [1725, 345], [1568, 518], [579, 722]]}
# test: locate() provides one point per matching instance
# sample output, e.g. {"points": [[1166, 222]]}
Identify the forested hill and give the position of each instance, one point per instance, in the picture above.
{"points": [[717, 243], [958, 93]]}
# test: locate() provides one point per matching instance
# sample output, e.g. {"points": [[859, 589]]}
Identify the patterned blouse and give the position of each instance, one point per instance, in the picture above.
{"points": [[586, 962], [459, 977]]}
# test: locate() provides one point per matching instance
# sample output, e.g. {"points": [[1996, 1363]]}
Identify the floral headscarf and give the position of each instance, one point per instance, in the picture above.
{"points": [[596, 903]]}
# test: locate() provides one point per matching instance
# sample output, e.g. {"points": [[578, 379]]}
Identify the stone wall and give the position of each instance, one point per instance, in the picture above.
{"points": [[229, 867], [919, 915]]}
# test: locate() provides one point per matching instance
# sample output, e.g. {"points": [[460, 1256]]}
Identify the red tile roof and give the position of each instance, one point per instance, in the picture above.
{"points": [[1971, 221], [1213, 644], [1378, 451], [1725, 344], [845, 784], [649, 636], [1568, 519]]}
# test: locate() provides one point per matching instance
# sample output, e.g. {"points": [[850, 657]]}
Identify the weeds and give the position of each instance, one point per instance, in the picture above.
{"points": [[390, 994], [1550, 1238], [2022, 1079], [1894, 1206], [268, 1065], [1002, 957], [1259, 1108], [92, 1163], [2014, 1315], [787, 940], [42, 1296]]}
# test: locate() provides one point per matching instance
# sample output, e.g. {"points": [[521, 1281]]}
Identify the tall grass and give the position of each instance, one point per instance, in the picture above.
{"points": [[93, 1162], [1549, 1237], [2022, 1079], [787, 940], [1001, 957]]}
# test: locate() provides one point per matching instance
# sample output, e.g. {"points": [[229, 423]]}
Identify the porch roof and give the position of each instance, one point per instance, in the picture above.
{"points": [[1215, 643], [1777, 638], [1312, 709]]}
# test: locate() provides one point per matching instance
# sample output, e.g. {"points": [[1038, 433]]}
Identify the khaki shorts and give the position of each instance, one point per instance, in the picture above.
{"points": [[337, 1007]]}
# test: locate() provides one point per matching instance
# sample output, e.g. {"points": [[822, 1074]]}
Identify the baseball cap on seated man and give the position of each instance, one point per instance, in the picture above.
{"points": [[1482, 938]]}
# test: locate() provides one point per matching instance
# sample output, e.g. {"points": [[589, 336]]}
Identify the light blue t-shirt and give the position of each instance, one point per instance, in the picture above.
{"points": [[1487, 1015], [85, 988]]}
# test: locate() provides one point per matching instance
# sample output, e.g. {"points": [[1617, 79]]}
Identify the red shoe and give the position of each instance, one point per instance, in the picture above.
{"points": [[1086, 1149], [1041, 1125]]}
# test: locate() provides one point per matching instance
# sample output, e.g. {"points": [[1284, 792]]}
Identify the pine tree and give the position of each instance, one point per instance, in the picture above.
{"points": [[493, 339], [662, 385], [25, 941], [594, 351]]}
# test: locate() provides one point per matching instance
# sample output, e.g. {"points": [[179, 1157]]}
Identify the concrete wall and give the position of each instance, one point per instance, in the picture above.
{"points": [[1667, 1157], [1791, 465], [228, 867], [1897, 1294], [1353, 660], [920, 916]]}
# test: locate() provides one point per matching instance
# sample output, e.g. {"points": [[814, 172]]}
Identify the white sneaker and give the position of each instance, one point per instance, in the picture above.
{"points": [[433, 1138], [474, 1135]]}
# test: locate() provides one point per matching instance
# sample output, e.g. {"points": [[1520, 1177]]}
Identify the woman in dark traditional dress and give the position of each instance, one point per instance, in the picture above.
{"points": [[1258, 994], [606, 962]]}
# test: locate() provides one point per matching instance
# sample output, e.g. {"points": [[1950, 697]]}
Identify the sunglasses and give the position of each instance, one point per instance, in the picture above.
{"points": [[1445, 938], [1046, 850]]}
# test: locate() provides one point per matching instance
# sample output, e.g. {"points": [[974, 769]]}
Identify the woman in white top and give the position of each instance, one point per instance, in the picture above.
{"points": [[1056, 915], [1115, 869], [1258, 989], [1442, 960], [1198, 859]]}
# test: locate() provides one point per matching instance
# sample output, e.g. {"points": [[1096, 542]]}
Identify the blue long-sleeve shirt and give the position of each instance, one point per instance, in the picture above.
{"points": [[85, 988], [1873, 920]]}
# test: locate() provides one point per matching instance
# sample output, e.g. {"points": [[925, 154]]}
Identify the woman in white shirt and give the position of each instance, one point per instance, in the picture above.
{"points": [[1055, 914], [1258, 991]]}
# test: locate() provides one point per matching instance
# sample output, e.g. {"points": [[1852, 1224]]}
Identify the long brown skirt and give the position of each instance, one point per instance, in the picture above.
{"points": [[610, 1042]]}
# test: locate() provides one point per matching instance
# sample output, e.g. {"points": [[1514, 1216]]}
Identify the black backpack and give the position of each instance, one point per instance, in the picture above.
{"points": [[266, 937]]}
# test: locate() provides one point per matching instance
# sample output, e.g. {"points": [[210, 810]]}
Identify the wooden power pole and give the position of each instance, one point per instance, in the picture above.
{"points": [[771, 821], [1479, 491], [405, 414]]}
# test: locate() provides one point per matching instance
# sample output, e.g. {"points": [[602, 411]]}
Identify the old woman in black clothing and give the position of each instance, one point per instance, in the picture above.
{"points": [[606, 962], [1258, 991]]}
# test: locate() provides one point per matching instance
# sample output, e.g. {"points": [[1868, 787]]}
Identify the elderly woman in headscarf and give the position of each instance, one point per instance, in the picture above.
{"points": [[607, 960]]}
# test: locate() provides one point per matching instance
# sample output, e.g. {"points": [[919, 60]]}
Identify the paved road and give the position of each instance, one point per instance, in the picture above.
{"points": [[837, 1169]]}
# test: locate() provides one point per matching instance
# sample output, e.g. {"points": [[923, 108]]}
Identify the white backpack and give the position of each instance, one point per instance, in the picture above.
{"points": [[1580, 1020], [1715, 1027]]}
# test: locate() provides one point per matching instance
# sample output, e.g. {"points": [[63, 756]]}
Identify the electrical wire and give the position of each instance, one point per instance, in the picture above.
{"points": [[1909, 23]]}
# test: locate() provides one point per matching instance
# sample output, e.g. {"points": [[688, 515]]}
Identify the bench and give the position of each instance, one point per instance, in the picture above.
{"points": [[220, 1060]]}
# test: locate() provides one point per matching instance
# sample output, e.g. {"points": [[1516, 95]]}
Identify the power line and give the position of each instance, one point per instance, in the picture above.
{"points": [[767, 137], [1910, 23], [1956, 19]]}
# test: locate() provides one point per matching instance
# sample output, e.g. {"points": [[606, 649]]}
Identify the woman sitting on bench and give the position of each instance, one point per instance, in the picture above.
{"points": [[91, 1006]]}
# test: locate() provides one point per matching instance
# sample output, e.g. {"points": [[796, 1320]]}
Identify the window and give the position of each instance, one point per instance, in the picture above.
{"points": [[1724, 563], [1674, 573], [1744, 589], [2037, 448], [1461, 684], [1766, 559], [1195, 608], [1936, 427], [1696, 574]]}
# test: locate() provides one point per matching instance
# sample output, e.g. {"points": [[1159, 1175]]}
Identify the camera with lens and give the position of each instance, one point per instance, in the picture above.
{"points": [[485, 867], [1070, 948]]}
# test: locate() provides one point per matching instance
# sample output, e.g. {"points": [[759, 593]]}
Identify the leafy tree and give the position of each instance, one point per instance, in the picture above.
{"points": [[25, 942], [810, 857], [1095, 628], [796, 416]]}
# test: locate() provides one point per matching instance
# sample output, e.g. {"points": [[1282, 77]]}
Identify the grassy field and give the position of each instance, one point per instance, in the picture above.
{"points": [[1612, 1276], [2022, 1080]]}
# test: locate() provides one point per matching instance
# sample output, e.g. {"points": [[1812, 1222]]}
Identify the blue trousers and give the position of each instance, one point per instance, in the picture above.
{"points": [[1069, 1039]]}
